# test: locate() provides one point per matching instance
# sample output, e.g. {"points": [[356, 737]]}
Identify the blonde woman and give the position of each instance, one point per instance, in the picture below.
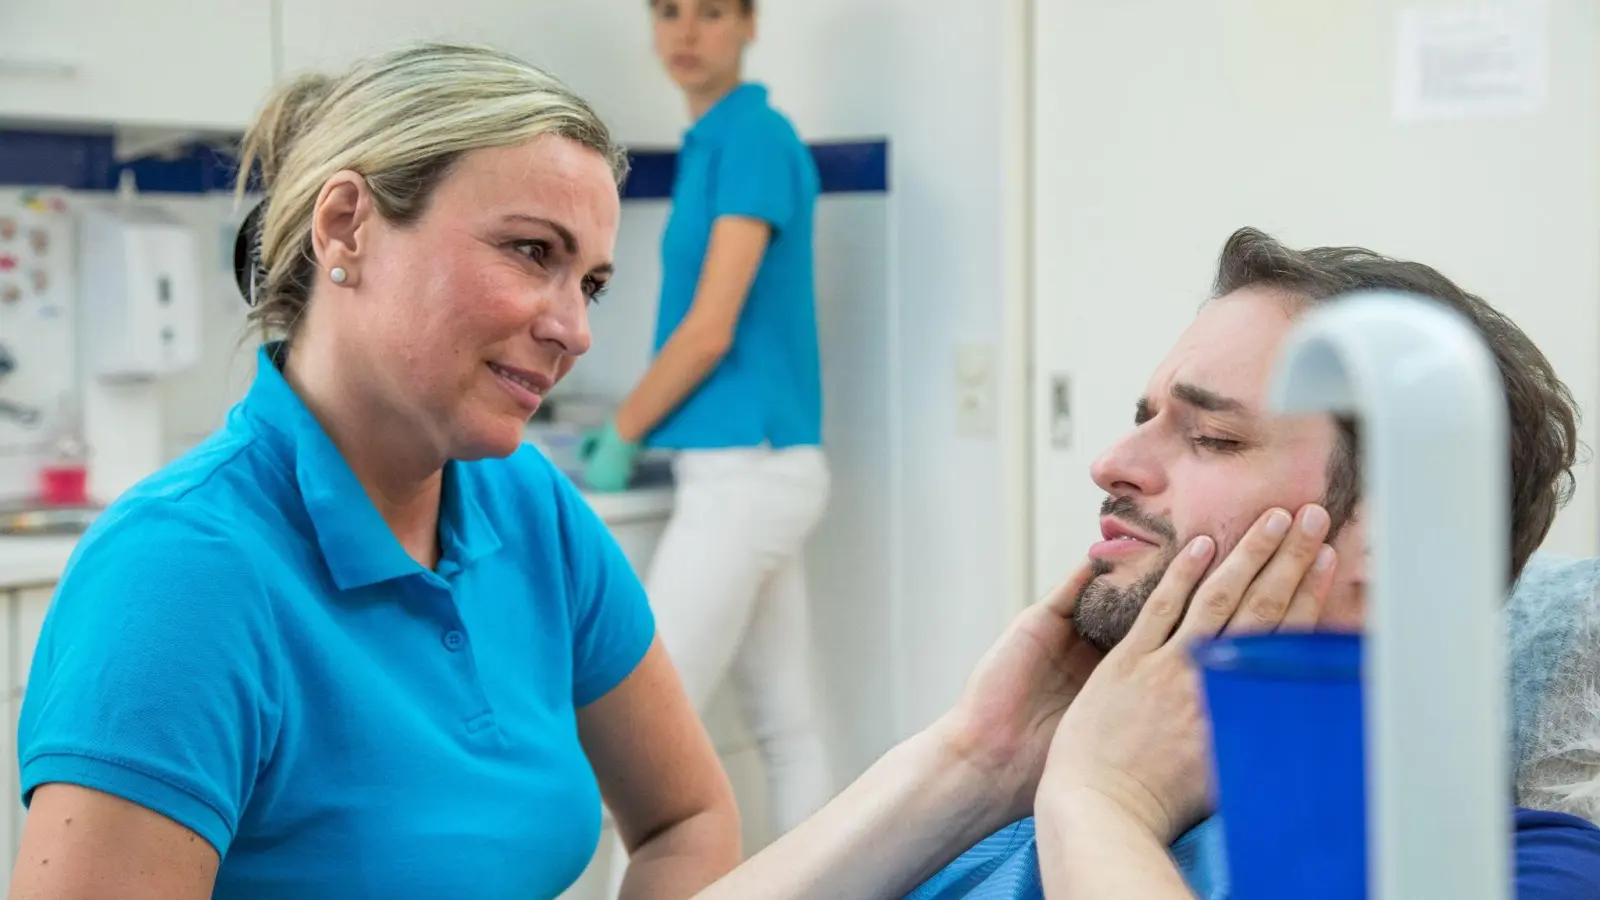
{"points": [[363, 642]]}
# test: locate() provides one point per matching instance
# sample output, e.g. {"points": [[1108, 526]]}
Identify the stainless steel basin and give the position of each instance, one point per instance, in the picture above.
{"points": [[41, 520]]}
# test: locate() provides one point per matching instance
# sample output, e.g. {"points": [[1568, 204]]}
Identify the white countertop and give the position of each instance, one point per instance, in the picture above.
{"points": [[31, 561], [631, 506]]}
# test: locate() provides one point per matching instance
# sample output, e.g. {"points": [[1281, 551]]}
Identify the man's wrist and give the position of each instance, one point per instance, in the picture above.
{"points": [[1068, 806]]}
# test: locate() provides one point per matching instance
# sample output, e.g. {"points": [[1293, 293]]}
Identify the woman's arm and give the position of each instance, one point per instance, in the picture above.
{"points": [[661, 778], [917, 808], [702, 339], [81, 844]]}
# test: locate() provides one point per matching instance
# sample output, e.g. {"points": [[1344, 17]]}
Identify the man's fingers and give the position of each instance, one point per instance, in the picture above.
{"points": [[1218, 598], [1064, 596], [1165, 605], [1305, 610], [1268, 598]]}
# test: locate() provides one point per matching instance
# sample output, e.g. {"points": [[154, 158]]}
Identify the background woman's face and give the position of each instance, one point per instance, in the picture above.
{"points": [[701, 42]]}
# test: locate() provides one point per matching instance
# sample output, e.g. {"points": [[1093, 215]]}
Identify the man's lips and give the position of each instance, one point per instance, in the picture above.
{"points": [[1120, 540], [1114, 529]]}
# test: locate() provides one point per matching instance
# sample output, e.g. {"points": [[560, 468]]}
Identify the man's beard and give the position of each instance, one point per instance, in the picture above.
{"points": [[1104, 612]]}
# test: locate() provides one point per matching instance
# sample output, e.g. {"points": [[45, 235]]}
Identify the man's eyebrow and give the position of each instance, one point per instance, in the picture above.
{"points": [[1208, 400]]}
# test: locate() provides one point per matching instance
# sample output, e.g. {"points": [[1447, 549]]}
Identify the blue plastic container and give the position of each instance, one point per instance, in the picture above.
{"points": [[1289, 758]]}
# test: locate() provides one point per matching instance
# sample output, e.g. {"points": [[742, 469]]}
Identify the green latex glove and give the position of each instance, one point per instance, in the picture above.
{"points": [[607, 459]]}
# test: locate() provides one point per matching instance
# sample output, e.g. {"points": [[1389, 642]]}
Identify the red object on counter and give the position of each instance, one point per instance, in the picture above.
{"points": [[64, 485]]}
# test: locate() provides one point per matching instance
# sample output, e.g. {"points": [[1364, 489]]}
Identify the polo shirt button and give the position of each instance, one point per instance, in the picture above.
{"points": [[453, 640]]}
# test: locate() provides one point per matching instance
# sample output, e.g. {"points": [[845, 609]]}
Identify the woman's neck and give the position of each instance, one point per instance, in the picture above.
{"points": [[700, 102], [383, 448]]}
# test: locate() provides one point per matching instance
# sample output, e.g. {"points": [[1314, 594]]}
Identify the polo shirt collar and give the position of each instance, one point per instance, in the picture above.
{"points": [[357, 545], [748, 95]]}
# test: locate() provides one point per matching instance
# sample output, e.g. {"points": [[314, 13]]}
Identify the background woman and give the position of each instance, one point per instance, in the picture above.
{"points": [[735, 387]]}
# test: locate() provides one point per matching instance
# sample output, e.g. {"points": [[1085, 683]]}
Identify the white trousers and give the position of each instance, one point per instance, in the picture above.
{"points": [[727, 585]]}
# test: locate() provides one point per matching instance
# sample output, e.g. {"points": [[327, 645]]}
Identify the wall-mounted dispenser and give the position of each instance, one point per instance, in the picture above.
{"points": [[139, 290]]}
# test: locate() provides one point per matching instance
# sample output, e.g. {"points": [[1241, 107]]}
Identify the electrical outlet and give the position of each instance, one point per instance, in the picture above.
{"points": [[976, 414]]}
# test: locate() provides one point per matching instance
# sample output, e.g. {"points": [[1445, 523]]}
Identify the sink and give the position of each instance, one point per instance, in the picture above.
{"points": [[26, 519]]}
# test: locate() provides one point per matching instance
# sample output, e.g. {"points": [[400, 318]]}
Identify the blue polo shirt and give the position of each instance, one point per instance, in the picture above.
{"points": [[1554, 856], [241, 644], [743, 158]]}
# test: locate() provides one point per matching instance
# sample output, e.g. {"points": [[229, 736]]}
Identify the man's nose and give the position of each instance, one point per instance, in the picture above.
{"points": [[1128, 467]]}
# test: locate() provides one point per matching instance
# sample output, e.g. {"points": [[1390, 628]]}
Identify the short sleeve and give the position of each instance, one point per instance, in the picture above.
{"points": [[155, 675], [612, 625], [757, 175], [1557, 857]]}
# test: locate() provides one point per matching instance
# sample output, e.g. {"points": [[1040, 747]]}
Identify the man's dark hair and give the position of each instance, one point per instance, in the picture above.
{"points": [[1543, 417], [745, 6]]}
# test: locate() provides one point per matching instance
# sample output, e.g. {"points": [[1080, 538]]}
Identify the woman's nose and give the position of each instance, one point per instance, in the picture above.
{"points": [[565, 325]]}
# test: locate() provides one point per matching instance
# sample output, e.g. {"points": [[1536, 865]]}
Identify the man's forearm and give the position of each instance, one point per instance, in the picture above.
{"points": [[916, 809], [1090, 849], [682, 859]]}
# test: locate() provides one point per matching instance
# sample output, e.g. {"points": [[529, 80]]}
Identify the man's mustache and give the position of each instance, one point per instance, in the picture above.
{"points": [[1125, 509]]}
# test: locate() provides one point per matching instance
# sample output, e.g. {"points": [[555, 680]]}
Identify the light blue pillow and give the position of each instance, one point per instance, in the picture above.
{"points": [[1553, 624]]}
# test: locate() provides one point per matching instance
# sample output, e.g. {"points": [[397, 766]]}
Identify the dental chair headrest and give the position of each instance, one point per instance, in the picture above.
{"points": [[1553, 619]]}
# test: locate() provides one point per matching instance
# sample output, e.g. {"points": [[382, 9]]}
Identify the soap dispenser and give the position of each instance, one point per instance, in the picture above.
{"points": [[140, 293]]}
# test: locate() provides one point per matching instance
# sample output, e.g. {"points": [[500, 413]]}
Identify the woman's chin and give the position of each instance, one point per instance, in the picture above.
{"points": [[491, 441]]}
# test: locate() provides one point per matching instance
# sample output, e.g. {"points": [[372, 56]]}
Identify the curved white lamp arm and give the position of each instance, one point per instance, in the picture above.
{"points": [[1431, 406]]}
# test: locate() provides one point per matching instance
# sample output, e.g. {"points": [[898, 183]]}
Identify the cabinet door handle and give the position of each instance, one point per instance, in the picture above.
{"points": [[37, 68]]}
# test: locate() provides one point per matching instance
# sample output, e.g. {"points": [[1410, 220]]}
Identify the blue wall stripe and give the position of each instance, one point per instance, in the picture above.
{"points": [[85, 162]]}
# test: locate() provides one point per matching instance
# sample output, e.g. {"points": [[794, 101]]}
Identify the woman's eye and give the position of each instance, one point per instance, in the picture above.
{"points": [[594, 289], [534, 250]]}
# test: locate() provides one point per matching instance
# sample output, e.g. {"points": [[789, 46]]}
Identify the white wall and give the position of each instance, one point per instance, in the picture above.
{"points": [[949, 112]]}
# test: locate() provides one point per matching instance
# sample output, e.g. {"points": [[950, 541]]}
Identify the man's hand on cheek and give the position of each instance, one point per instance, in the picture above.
{"points": [[1133, 739]]}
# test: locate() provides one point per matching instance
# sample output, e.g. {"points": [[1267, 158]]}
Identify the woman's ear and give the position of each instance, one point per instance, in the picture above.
{"points": [[339, 229]]}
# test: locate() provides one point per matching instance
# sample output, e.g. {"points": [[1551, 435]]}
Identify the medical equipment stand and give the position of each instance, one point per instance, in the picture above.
{"points": [[1432, 414]]}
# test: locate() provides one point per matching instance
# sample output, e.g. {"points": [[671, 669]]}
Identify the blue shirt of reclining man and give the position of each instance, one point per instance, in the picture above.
{"points": [[1557, 857]]}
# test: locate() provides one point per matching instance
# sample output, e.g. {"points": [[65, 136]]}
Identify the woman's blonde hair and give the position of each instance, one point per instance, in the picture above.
{"points": [[400, 120]]}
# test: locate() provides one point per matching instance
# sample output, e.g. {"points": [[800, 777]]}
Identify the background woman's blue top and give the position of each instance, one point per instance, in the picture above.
{"points": [[743, 158], [240, 644]]}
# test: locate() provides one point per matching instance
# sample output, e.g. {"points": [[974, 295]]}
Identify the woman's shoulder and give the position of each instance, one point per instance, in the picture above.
{"points": [[195, 519]]}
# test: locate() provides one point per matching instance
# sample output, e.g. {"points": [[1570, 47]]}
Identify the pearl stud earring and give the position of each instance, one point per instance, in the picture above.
{"points": [[338, 275]]}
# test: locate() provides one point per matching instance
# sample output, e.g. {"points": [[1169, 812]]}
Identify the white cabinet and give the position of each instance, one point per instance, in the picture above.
{"points": [[29, 606], [195, 64], [638, 541], [603, 50], [21, 615]]}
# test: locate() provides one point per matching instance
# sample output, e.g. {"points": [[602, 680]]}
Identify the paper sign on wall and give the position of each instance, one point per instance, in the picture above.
{"points": [[1489, 60]]}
